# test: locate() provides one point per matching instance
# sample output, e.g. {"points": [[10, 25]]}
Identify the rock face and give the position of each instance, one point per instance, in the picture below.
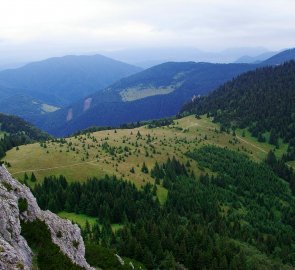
{"points": [[14, 250]]}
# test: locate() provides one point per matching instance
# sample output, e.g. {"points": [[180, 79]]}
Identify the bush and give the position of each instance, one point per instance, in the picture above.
{"points": [[49, 255], [7, 186], [75, 244], [33, 177], [144, 168], [22, 205]]}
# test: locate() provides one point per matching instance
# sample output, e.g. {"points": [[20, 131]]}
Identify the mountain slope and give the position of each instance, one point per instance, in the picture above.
{"points": [[148, 57], [15, 125], [14, 101], [281, 57], [235, 218], [255, 59], [154, 93], [25, 106], [181, 132], [58, 241], [6, 92], [63, 80], [14, 131], [263, 100], [190, 77]]}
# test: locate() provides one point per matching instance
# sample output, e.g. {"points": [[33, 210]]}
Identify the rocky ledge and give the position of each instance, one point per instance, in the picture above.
{"points": [[14, 250]]}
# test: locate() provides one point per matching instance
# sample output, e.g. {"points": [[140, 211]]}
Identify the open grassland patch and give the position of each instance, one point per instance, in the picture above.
{"points": [[81, 219], [78, 218], [122, 152]]}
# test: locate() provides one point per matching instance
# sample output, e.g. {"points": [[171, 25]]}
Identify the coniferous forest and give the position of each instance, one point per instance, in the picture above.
{"points": [[240, 217], [262, 100], [17, 132]]}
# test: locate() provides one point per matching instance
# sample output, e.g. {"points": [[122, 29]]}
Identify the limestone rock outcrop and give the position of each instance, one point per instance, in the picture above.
{"points": [[14, 250]]}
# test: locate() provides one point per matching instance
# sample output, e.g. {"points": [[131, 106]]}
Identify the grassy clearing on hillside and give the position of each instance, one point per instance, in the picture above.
{"points": [[162, 194], [261, 148], [136, 93], [122, 152], [81, 220], [49, 108]]}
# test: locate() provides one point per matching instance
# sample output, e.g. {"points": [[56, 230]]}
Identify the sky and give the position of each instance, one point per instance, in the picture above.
{"points": [[43, 28]]}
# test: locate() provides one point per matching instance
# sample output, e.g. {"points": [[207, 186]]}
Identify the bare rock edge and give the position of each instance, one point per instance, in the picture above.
{"points": [[14, 250]]}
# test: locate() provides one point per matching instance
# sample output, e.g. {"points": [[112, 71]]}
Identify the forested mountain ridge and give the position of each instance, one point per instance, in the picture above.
{"points": [[255, 59], [63, 80], [13, 124], [153, 93], [25, 106], [263, 100], [14, 131], [281, 57], [85, 82]]}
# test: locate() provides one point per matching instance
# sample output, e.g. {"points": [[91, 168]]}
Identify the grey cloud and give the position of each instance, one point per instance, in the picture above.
{"points": [[208, 25]]}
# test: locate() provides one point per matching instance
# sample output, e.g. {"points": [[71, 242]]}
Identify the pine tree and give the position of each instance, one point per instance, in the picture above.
{"points": [[271, 159], [33, 177], [144, 168], [168, 262], [96, 234], [273, 138]]}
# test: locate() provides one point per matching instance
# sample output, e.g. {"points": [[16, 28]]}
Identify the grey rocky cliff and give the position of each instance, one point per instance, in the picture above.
{"points": [[14, 250]]}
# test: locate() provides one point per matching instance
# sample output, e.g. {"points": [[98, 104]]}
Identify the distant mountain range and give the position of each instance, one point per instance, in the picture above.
{"points": [[97, 91], [153, 93], [148, 57], [246, 59], [281, 57], [62, 80]]}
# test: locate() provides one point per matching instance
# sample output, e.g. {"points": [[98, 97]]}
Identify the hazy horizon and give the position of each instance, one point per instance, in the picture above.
{"points": [[34, 30]]}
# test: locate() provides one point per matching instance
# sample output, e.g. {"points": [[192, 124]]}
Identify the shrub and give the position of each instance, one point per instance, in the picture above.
{"points": [[75, 244], [22, 205], [144, 168], [33, 177], [49, 255], [7, 186]]}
